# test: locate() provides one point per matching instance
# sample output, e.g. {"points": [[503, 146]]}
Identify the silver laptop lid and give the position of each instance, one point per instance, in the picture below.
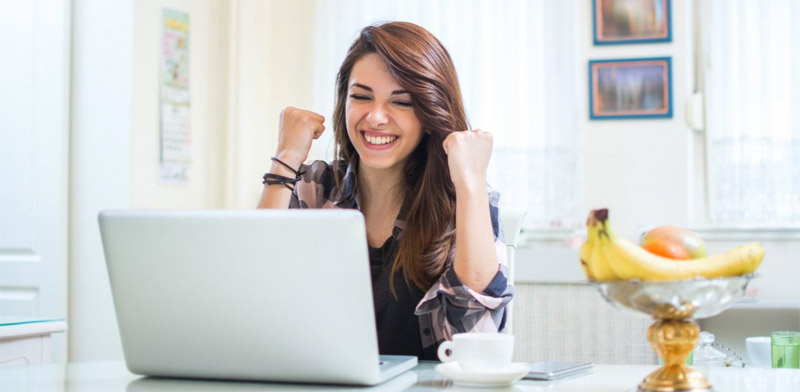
{"points": [[278, 295]]}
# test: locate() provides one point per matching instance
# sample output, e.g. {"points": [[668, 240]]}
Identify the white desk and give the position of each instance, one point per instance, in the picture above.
{"points": [[26, 341], [114, 377]]}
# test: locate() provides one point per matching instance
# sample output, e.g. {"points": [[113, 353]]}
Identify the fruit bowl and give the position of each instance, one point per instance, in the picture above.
{"points": [[675, 299], [674, 304]]}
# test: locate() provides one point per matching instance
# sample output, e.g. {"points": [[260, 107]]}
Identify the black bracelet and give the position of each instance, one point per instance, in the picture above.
{"points": [[296, 173], [273, 179], [277, 179]]}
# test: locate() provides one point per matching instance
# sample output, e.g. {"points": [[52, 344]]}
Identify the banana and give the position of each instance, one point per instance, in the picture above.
{"points": [[615, 258], [585, 254], [630, 261], [591, 252]]}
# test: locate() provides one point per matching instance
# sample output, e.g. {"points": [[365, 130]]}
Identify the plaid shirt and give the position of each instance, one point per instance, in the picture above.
{"points": [[449, 306]]}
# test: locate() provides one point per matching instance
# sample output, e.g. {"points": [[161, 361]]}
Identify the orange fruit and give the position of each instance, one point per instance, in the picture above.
{"points": [[666, 249], [688, 240]]}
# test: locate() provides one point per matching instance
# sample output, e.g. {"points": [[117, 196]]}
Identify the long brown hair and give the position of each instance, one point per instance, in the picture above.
{"points": [[422, 66]]}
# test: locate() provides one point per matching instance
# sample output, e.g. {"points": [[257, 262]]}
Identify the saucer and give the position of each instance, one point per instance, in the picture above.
{"points": [[496, 378]]}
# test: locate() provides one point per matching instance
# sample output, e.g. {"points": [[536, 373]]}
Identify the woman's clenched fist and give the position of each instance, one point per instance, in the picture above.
{"points": [[468, 155], [297, 128]]}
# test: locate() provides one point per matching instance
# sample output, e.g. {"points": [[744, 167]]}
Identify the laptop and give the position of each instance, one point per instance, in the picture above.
{"points": [[259, 295], [399, 383]]}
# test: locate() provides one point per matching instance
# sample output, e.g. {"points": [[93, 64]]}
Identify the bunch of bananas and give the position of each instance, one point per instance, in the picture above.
{"points": [[605, 257]]}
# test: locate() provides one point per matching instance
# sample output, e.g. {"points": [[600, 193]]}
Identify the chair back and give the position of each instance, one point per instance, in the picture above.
{"points": [[511, 222]]}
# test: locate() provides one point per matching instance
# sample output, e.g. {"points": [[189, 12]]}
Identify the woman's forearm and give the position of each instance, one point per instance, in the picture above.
{"points": [[476, 261], [277, 196]]}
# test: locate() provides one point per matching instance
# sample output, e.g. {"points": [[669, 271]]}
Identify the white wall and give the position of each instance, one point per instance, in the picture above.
{"points": [[115, 132], [640, 169], [271, 68], [208, 40]]}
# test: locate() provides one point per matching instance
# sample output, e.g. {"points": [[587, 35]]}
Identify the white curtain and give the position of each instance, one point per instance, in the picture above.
{"points": [[516, 64], [751, 64]]}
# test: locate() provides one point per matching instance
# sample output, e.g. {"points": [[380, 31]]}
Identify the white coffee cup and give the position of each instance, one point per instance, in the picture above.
{"points": [[478, 352], [759, 351]]}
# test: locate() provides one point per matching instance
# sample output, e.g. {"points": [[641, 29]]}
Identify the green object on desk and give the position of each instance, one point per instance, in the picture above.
{"points": [[786, 349]]}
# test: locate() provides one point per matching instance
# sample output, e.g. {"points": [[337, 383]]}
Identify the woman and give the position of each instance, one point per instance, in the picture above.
{"points": [[408, 162]]}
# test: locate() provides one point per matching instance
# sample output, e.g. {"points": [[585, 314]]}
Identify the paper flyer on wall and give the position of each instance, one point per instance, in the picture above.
{"points": [[175, 156]]}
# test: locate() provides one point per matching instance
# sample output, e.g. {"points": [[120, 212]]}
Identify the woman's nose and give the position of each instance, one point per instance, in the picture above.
{"points": [[377, 116]]}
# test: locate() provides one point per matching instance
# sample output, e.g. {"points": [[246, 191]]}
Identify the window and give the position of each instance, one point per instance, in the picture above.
{"points": [[750, 64], [516, 64]]}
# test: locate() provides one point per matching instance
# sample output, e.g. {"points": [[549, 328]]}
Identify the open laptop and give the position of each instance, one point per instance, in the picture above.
{"points": [[262, 295]]}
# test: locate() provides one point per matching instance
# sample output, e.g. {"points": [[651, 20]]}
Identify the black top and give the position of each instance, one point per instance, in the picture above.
{"points": [[451, 309], [398, 326]]}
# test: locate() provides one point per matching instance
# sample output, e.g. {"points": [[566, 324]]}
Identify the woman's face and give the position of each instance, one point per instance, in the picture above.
{"points": [[380, 116]]}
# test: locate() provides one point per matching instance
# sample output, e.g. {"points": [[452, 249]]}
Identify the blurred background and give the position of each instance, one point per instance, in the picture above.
{"points": [[84, 110]]}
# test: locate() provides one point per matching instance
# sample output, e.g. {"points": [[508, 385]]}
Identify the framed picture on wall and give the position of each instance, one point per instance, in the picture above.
{"points": [[630, 88], [631, 21]]}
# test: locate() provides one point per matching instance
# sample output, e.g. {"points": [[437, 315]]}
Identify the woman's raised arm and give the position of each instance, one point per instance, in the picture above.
{"points": [[475, 261], [297, 129]]}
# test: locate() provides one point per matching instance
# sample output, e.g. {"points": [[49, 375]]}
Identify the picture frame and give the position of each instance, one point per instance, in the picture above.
{"points": [[630, 88], [631, 21]]}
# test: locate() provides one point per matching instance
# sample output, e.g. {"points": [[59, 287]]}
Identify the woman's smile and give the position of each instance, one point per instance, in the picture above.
{"points": [[378, 140]]}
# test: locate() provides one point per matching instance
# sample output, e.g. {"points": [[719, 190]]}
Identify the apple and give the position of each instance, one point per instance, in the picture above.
{"points": [[667, 237]]}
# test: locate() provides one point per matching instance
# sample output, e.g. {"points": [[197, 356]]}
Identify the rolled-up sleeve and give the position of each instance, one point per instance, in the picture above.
{"points": [[315, 187], [455, 308]]}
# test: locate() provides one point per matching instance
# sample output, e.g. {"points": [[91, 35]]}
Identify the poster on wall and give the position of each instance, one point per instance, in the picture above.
{"points": [[175, 155], [631, 21], [630, 88]]}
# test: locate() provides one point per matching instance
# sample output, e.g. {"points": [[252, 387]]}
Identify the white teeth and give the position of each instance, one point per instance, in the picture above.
{"points": [[379, 139]]}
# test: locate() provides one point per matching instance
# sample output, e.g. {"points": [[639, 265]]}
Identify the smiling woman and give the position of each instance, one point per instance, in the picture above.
{"points": [[407, 160]]}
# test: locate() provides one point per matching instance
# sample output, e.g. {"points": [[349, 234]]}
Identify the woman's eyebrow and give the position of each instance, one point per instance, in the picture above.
{"points": [[359, 85], [395, 92]]}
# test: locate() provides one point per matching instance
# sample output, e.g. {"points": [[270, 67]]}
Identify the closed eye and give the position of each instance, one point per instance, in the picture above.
{"points": [[404, 103], [359, 97]]}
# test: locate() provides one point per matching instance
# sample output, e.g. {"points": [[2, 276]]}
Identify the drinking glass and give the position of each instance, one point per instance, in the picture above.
{"points": [[786, 349]]}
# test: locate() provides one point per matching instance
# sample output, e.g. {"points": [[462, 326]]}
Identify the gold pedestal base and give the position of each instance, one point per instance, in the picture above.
{"points": [[673, 340]]}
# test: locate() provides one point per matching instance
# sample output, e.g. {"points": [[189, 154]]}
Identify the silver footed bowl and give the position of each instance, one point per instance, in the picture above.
{"points": [[675, 299]]}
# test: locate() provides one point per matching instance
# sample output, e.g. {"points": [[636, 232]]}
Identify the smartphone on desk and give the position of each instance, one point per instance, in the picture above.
{"points": [[553, 370]]}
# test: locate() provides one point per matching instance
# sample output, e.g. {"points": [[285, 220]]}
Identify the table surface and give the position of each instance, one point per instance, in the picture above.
{"points": [[114, 376]]}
